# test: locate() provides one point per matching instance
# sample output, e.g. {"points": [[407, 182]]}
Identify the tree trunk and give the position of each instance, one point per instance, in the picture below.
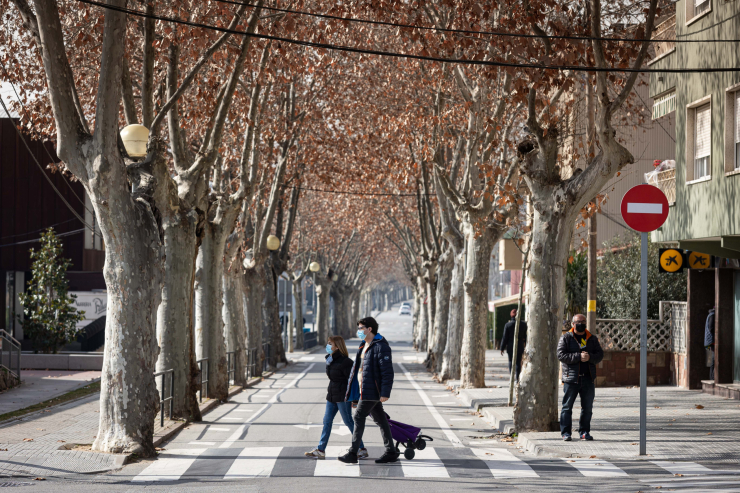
{"points": [[451, 357], [445, 265], [473, 357], [431, 292], [537, 402], [421, 321], [174, 316], [322, 310], [298, 307], [235, 326], [254, 287], [271, 316], [133, 275], [354, 310]]}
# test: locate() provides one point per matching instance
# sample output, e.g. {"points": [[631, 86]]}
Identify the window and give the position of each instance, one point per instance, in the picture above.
{"points": [[700, 6], [737, 129], [702, 141], [696, 9]]}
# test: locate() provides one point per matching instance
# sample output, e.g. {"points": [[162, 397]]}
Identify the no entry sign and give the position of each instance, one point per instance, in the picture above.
{"points": [[644, 208]]}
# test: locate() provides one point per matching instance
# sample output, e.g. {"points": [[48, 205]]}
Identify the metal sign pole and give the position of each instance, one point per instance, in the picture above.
{"points": [[643, 342]]}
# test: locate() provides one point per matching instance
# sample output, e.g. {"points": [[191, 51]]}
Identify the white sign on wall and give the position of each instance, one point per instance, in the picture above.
{"points": [[93, 303]]}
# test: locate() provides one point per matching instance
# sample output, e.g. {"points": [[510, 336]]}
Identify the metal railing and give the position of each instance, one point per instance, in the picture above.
{"points": [[310, 339], [251, 362], [230, 366], [162, 398], [10, 354], [665, 31], [203, 381], [266, 351]]}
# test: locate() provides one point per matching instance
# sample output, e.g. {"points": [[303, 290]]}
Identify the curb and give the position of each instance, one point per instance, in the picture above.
{"points": [[538, 450], [500, 423]]}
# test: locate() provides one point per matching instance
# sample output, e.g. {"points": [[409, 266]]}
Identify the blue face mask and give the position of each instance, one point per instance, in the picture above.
{"points": [[360, 334], [329, 349]]}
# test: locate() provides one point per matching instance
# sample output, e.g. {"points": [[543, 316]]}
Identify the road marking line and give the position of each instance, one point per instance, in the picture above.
{"points": [[170, 468], [644, 208], [461, 419], [241, 411], [503, 464], [238, 433], [234, 419], [425, 464], [446, 402], [437, 417], [596, 468], [683, 467], [332, 467], [259, 396], [254, 462], [197, 442], [214, 428]]}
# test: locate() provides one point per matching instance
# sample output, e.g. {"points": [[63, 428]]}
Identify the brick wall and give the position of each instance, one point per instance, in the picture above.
{"points": [[619, 368]]}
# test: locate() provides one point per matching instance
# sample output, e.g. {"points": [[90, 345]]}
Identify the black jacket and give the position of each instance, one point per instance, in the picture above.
{"points": [[709, 329], [507, 340], [377, 370], [338, 372], [569, 354]]}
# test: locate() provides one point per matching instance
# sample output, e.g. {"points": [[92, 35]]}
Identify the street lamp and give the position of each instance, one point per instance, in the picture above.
{"points": [[314, 267], [135, 138], [273, 242]]}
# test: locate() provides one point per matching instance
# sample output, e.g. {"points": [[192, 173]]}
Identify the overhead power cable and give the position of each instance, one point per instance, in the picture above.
{"points": [[350, 192], [18, 98], [363, 51], [467, 31], [58, 235], [41, 168]]}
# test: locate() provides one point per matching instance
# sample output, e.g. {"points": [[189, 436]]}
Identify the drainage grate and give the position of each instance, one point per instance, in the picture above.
{"points": [[10, 485]]}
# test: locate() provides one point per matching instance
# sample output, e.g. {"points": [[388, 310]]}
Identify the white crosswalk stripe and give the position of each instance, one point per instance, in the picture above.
{"points": [[446, 462]]}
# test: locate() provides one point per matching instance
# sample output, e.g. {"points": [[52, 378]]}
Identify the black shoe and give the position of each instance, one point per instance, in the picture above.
{"points": [[348, 458], [387, 457]]}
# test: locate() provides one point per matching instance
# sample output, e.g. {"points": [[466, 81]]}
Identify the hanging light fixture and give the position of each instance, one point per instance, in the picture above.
{"points": [[273, 242], [135, 138]]}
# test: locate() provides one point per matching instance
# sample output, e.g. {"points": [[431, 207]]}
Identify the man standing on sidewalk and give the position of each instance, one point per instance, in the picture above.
{"points": [[507, 341], [709, 342], [579, 352], [373, 371]]}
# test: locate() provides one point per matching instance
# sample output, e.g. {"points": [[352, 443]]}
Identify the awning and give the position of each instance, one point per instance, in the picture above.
{"points": [[509, 300], [662, 105]]}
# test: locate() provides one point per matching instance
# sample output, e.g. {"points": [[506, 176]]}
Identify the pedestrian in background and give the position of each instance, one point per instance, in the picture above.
{"points": [[339, 370], [373, 374], [709, 342], [579, 352], [507, 341]]}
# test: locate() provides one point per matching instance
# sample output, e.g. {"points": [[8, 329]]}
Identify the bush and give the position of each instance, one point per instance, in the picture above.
{"points": [[49, 319], [576, 285], [618, 284]]}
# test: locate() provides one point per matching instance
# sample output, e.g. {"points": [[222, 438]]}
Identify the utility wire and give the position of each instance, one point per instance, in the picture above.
{"points": [[59, 235], [20, 134], [45, 149], [349, 192], [466, 31], [38, 230], [574, 68]]}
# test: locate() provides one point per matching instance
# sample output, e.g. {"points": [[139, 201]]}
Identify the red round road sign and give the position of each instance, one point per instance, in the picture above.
{"points": [[644, 208]]}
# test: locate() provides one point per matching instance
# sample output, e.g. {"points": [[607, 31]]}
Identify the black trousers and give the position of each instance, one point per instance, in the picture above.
{"points": [[518, 362], [375, 410]]}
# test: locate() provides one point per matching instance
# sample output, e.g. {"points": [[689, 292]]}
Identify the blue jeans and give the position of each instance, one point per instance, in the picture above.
{"points": [[584, 388], [345, 409]]}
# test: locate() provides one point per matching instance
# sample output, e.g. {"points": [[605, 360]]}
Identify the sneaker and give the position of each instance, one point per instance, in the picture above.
{"points": [[348, 458], [586, 436], [566, 437], [316, 454], [387, 457], [362, 454]]}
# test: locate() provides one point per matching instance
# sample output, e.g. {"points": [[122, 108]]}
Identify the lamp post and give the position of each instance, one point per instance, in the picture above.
{"points": [[314, 267], [135, 138]]}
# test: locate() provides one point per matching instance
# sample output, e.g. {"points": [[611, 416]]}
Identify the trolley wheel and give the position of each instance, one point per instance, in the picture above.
{"points": [[409, 453], [420, 444]]}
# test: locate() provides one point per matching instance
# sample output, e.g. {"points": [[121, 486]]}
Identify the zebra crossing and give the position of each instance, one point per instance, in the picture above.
{"points": [[440, 462]]}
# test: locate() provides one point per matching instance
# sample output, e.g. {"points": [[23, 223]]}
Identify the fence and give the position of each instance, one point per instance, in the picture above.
{"points": [[10, 354], [203, 382], [251, 362], [162, 398], [668, 334], [310, 339], [266, 352]]}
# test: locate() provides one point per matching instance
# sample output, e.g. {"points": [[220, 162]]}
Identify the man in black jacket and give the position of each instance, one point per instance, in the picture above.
{"points": [[579, 352], [507, 341], [373, 370], [709, 341]]}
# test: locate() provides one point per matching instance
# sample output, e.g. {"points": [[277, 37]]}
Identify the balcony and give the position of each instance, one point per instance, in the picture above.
{"points": [[666, 181], [665, 30]]}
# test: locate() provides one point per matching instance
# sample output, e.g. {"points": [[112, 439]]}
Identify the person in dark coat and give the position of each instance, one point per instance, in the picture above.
{"points": [[507, 341], [338, 369], [579, 352], [709, 341], [371, 381]]}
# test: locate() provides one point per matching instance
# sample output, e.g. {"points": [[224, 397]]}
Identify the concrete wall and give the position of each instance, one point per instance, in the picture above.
{"points": [[61, 361], [620, 368]]}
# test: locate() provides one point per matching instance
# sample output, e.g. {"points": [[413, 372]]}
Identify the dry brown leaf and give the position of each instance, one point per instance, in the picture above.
{"points": [[709, 433], [699, 406], [571, 461], [28, 439], [39, 479], [592, 457], [679, 475]]}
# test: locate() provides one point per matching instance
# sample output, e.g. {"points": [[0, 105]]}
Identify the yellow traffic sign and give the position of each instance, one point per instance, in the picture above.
{"points": [[699, 260], [671, 260]]}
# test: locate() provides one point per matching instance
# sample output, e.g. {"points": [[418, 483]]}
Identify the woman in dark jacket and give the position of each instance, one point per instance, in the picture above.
{"points": [[338, 369]]}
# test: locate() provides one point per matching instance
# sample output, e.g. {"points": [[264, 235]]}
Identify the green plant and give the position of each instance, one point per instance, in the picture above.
{"points": [[576, 289], [618, 283], [49, 319]]}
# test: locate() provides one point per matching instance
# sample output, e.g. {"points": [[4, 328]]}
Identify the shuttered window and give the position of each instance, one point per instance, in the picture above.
{"points": [[737, 130], [700, 6], [702, 141]]}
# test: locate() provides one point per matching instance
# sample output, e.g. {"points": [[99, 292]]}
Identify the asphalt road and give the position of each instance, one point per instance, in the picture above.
{"points": [[257, 440]]}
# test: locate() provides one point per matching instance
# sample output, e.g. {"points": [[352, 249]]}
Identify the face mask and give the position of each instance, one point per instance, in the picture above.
{"points": [[329, 349], [360, 334], [580, 327]]}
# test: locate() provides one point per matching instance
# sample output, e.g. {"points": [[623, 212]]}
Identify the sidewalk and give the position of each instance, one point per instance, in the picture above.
{"points": [[681, 424], [42, 385], [56, 441]]}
